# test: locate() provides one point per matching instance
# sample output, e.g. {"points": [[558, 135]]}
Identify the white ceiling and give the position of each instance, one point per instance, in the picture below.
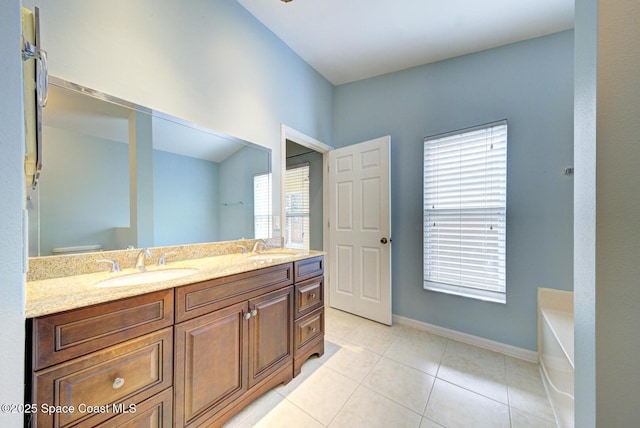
{"points": [[349, 40]]}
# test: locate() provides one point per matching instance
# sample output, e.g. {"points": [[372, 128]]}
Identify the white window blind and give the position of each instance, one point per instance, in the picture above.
{"points": [[465, 192], [297, 207], [262, 213]]}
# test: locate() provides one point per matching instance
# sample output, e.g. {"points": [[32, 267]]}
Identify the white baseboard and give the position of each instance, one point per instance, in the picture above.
{"points": [[512, 351]]}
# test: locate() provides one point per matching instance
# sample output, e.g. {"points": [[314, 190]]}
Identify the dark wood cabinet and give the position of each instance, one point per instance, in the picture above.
{"points": [[227, 356], [69, 334], [211, 363], [93, 388], [156, 412], [308, 331], [270, 333], [190, 356]]}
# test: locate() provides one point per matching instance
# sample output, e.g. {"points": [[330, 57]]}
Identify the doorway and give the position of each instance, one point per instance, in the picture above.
{"points": [[299, 150], [303, 198]]}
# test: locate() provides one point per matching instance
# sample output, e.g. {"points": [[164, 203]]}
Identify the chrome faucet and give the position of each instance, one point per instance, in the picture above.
{"points": [[257, 244], [140, 259]]}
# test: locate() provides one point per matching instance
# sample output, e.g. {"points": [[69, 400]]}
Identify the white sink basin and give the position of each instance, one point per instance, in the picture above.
{"points": [[147, 277], [271, 256]]}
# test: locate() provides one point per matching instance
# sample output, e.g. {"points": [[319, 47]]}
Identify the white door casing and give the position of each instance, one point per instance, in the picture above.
{"points": [[360, 229]]}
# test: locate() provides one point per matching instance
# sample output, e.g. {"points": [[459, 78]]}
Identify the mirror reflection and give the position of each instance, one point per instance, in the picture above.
{"points": [[118, 175]]}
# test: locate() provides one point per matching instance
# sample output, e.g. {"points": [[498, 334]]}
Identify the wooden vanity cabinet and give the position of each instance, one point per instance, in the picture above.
{"points": [[191, 356], [96, 365], [229, 356], [308, 331]]}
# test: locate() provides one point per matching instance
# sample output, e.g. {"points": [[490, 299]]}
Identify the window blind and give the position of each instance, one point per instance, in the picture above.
{"points": [[465, 212], [297, 207], [262, 212]]}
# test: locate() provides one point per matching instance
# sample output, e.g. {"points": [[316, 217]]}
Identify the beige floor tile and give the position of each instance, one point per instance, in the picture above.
{"points": [[308, 368], [255, 411], [428, 423], [352, 361], [453, 406], [375, 375], [520, 367], [323, 394], [423, 352], [404, 385], [371, 336], [520, 419], [338, 323], [476, 369], [529, 395], [287, 415], [369, 409]]}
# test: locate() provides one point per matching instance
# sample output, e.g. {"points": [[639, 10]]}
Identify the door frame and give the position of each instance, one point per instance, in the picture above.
{"points": [[288, 133]]}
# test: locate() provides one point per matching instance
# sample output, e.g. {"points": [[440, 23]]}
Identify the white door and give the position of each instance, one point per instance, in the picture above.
{"points": [[360, 230]]}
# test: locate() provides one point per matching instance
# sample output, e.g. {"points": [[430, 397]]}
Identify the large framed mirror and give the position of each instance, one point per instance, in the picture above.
{"points": [[116, 174]]}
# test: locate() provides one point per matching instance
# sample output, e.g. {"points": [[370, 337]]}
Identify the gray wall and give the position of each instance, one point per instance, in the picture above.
{"points": [[185, 199], [531, 85], [236, 185], [607, 229], [12, 195], [84, 190], [205, 61]]}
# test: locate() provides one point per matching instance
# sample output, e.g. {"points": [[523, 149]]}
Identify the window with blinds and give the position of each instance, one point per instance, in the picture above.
{"points": [[297, 207], [262, 212], [465, 200]]}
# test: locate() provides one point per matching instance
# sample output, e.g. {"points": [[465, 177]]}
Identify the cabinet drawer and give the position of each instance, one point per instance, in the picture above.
{"points": [[307, 329], [62, 336], [308, 268], [156, 412], [204, 297], [107, 381], [309, 295]]}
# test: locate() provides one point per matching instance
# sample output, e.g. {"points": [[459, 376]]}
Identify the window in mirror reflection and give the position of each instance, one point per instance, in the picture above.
{"points": [[297, 207], [262, 205]]}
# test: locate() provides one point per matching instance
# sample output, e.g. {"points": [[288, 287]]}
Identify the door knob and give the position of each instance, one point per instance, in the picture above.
{"points": [[383, 241]]}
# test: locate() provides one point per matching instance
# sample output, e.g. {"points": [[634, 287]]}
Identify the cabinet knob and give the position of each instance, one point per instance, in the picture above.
{"points": [[247, 315], [312, 295], [254, 312], [313, 329], [117, 383]]}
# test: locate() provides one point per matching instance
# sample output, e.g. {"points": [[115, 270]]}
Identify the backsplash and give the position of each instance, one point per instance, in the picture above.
{"points": [[78, 264]]}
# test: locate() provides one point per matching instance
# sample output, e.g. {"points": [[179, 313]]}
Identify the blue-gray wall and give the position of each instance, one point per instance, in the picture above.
{"points": [[185, 199], [84, 190], [531, 85], [12, 195], [205, 61], [236, 185]]}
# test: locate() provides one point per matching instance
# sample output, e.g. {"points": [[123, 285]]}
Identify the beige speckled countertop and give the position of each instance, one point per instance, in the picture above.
{"points": [[53, 295]]}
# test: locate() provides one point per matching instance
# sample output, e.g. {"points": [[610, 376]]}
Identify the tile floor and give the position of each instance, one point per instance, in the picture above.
{"points": [[372, 375]]}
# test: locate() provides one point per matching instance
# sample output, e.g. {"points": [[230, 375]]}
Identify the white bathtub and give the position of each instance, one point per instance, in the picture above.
{"points": [[555, 351]]}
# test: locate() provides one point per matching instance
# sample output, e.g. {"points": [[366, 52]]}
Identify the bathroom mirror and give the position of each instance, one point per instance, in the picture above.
{"points": [[118, 175]]}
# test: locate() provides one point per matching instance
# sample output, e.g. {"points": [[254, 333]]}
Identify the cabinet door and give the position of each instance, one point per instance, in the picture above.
{"points": [[270, 333], [210, 363]]}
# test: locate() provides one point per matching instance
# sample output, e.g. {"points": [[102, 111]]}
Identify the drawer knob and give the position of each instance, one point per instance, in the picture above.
{"points": [[254, 312], [313, 329], [118, 382], [312, 295]]}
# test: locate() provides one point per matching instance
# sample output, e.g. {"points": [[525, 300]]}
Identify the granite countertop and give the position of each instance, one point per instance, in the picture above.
{"points": [[48, 296]]}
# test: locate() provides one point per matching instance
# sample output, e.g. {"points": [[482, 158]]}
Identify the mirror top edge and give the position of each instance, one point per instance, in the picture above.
{"points": [[65, 84]]}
